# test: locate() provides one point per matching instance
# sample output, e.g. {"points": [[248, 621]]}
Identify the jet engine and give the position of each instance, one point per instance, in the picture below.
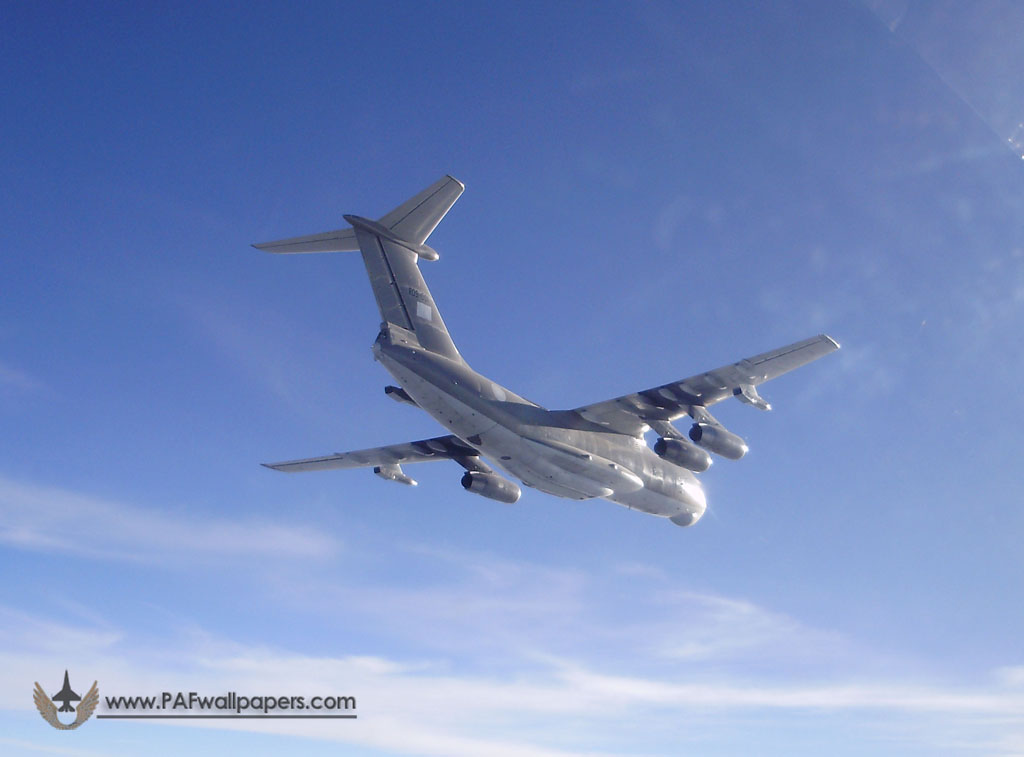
{"points": [[718, 440], [683, 454], [491, 485]]}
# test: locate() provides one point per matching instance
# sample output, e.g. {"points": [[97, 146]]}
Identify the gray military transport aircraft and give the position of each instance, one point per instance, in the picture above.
{"points": [[590, 452]]}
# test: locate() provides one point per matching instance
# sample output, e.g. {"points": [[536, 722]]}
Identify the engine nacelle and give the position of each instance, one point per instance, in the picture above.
{"points": [[683, 454], [491, 485], [718, 440]]}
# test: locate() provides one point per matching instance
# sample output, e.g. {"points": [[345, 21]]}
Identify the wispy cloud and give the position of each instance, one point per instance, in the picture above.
{"points": [[285, 357], [513, 658], [634, 616], [20, 746], [629, 643], [52, 519], [1012, 676], [27, 632], [554, 706], [13, 380]]}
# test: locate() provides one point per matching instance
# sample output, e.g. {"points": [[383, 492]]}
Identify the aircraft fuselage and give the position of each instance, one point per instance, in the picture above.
{"points": [[558, 452]]}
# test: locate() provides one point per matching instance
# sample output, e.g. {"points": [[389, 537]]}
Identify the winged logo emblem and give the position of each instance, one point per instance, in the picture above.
{"points": [[48, 709]]}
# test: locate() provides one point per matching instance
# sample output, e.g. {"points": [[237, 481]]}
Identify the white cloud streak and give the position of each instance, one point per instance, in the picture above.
{"points": [[14, 381], [432, 707], [20, 746], [497, 656], [51, 519]]}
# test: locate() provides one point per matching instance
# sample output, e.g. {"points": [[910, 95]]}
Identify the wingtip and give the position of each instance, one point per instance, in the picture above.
{"points": [[835, 344]]}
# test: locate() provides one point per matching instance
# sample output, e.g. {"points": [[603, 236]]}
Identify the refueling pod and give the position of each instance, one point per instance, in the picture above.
{"points": [[492, 486], [683, 454], [718, 440], [393, 472]]}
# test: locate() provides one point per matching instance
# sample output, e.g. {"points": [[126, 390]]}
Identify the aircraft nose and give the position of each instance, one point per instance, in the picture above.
{"points": [[697, 500], [695, 504]]}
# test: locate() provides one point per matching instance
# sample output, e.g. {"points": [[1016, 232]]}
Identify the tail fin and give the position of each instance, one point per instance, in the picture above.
{"points": [[391, 248]]}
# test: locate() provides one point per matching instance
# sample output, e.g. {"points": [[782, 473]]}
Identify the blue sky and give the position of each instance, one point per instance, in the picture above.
{"points": [[653, 190]]}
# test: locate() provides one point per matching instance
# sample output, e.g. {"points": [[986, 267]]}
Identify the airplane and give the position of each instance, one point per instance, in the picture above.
{"points": [[592, 451], [66, 696]]}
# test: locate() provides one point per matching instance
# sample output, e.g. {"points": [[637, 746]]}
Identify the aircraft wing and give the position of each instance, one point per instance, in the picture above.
{"points": [[424, 450], [630, 413]]}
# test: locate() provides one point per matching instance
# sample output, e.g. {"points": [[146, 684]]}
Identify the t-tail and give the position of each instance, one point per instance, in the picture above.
{"points": [[391, 248]]}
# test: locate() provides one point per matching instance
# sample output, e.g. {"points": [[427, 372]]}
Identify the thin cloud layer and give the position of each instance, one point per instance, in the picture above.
{"points": [[17, 382], [444, 707], [52, 519]]}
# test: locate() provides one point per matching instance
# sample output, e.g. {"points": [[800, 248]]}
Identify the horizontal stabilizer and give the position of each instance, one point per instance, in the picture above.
{"points": [[409, 224], [391, 249], [342, 240], [414, 219]]}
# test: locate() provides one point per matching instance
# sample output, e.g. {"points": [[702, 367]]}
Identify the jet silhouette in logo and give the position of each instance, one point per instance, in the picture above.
{"points": [[66, 696]]}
